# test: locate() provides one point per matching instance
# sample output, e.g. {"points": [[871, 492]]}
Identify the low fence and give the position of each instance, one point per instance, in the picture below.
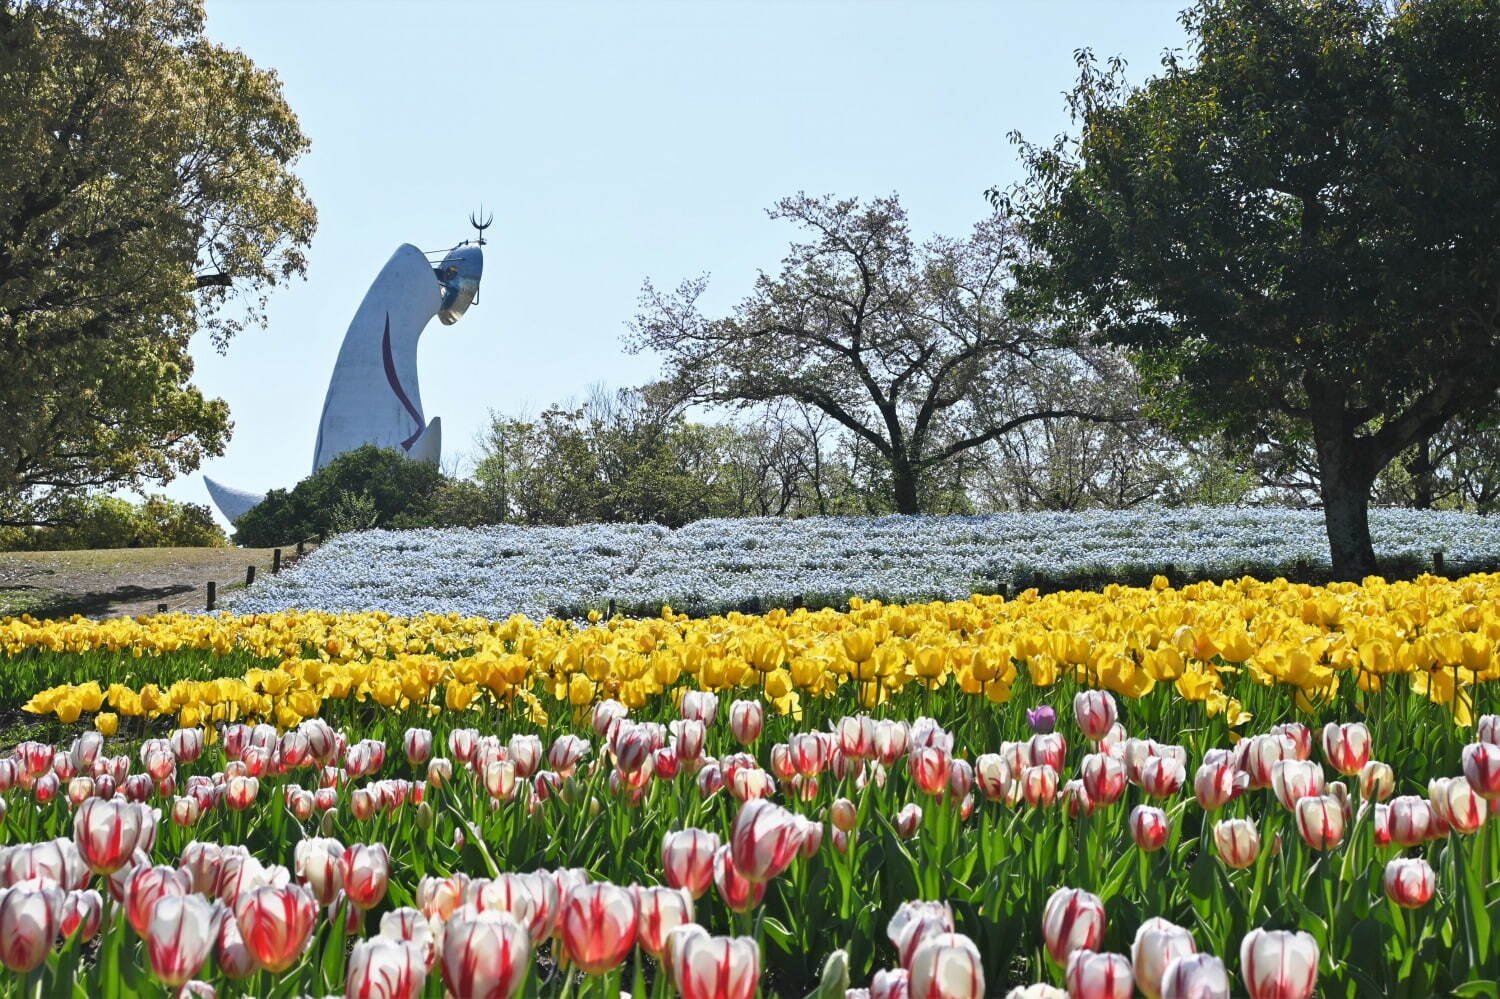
{"points": [[211, 588]]}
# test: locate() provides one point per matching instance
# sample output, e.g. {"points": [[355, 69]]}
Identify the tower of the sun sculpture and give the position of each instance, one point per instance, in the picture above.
{"points": [[373, 396]]}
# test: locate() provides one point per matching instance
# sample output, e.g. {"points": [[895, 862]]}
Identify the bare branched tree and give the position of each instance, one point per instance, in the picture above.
{"points": [[907, 347]]}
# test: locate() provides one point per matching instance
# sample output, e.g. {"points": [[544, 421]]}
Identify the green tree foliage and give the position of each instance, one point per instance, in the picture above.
{"points": [[906, 346], [366, 487], [111, 522], [1295, 227], [634, 456], [145, 196], [631, 457]]}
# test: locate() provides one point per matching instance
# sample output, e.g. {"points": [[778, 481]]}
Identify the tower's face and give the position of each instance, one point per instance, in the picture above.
{"points": [[459, 275]]}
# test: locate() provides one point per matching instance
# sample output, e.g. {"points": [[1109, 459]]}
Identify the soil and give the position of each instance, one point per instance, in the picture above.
{"points": [[123, 581]]}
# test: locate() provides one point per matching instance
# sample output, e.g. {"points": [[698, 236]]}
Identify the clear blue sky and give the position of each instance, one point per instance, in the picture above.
{"points": [[615, 141]]}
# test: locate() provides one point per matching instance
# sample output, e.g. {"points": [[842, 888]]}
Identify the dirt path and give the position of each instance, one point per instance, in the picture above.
{"points": [[122, 581]]}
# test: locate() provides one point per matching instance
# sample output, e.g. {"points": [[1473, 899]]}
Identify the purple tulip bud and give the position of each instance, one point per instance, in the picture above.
{"points": [[1042, 720]]}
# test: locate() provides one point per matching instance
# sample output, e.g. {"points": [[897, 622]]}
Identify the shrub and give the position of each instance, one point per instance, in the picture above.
{"points": [[366, 487], [112, 522]]}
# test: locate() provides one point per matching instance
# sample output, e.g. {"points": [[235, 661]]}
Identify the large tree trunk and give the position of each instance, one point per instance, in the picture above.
{"points": [[904, 487], [1420, 469], [1345, 481]]}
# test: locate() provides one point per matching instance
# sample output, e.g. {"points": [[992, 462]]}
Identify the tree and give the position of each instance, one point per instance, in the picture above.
{"points": [[145, 196], [366, 487], [908, 347], [1295, 228], [111, 522], [629, 456]]}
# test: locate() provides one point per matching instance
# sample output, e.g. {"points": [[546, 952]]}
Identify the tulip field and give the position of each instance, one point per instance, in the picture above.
{"points": [[1247, 788]]}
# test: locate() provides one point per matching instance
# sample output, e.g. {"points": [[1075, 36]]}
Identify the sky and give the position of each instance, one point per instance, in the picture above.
{"points": [[614, 141]]}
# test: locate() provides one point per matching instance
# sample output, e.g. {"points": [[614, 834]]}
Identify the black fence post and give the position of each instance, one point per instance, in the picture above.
{"points": [[275, 561], [213, 594], [1437, 561], [249, 575], [161, 608], [301, 547]]}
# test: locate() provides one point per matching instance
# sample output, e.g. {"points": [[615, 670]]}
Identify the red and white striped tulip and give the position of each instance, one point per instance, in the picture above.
{"points": [[705, 967], [109, 832], [276, 922], [746, 719], [1259, 753], [700, 705], [687, 859], [1149, 827], [737, 892], [764, 839], [145, 886], [908, 820], [1216, 784], [412, 926], [929, 769], [1073, 920], [1346, 747], [1157, 944], [1049, 750], [1237, 842], [1195, 976], [181, 934], [82, 912], [1320, 821], [31, 912], [1481, 762], [604, 714], [566, 752], [1377, 781], [891, 983], [1409, 882], [992, 775], [892, 738], [1457, 803], [1075, 799], [365, 869], [56, 860], [526, 752], [1162, 776], [662, 910], [385, 968], [855, 735], [1298, 734], [915, 920], [318, 865], [240, 792], [485, 954], [1104, 778], [417, 742], [946, 966], [598, 926], [1092, 975], [1410, 819], [1095, 711], [1279, 964], [1039, 785], [1294, 779], [688, 737], [808, 753]]}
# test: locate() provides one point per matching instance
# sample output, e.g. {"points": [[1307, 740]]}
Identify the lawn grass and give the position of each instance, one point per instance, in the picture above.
{"points": [[109, 582]]}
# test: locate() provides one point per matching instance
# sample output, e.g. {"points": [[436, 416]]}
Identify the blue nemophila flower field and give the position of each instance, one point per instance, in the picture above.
{"points": [[717, 565]]}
